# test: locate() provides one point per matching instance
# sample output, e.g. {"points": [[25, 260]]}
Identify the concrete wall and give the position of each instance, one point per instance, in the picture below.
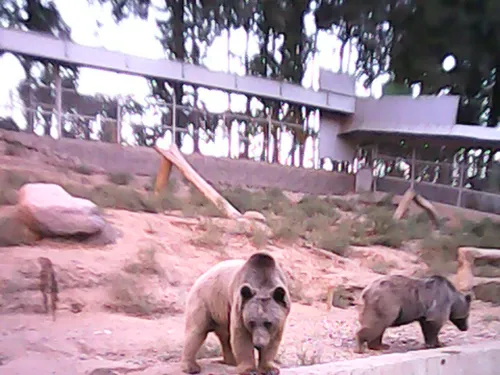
{"points": [[218, 171], [337, 82], [330, 145], [479, 359], [443, 194], [423, 112]]}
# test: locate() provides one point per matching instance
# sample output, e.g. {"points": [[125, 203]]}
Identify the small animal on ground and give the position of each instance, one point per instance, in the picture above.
{"points": [[246, 305], [397, 300], [48, 285]]}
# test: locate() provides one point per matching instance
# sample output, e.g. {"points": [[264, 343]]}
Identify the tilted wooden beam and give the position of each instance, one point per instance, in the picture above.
{"points": [[173, 156]]}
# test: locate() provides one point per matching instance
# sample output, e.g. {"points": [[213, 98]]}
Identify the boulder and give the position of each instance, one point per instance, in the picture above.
{"points": [[51, 211], [13, 232]]}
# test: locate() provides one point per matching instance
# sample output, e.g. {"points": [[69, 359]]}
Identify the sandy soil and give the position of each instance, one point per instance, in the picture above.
{"points": [[99, 337]]}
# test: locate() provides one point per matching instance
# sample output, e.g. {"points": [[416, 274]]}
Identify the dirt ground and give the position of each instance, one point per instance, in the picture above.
{"points": [[103, 336]]}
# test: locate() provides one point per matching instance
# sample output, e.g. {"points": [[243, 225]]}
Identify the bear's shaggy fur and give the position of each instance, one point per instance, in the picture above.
{"points": [[246, 304], [397, 300]]}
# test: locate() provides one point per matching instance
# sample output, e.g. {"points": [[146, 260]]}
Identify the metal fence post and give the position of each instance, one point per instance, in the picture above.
{"points": [[460, 184], [174, 115], [413, 162], [119, 120], [58, 85]]}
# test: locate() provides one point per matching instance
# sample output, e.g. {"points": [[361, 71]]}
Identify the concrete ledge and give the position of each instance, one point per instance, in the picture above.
{"points": [[479, 359]]}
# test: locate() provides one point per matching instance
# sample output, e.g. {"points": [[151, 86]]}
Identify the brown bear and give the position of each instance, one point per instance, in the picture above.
{"points": [[397, 300], [246, 304]]}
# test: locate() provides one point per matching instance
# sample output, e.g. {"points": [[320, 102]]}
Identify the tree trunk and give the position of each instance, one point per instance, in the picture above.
{"points": [[265, 143], [302, 150], [30, 114], [179, 53], [276, 144], [494, 116]]}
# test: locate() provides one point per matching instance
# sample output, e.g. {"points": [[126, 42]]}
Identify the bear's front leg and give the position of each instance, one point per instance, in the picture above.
{"points": [[267, 355], [241, 343], [225, 342], [431, 329]]}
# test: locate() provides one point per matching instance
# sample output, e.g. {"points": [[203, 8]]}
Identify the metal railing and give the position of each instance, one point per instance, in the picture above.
{"points": [[169, 120]]}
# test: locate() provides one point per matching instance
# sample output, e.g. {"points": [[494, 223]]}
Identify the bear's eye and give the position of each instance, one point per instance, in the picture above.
{"points": [[267, 325], [252, 324]]}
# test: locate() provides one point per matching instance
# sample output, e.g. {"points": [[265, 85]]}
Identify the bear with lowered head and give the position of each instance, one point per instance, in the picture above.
{"points": [[246, 304], [397, 300]]}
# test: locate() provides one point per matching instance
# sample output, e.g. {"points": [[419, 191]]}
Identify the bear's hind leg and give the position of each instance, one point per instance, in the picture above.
{"points": [[368, 335], [192, 343], [227, 352], [376, 344], [431, 329]]}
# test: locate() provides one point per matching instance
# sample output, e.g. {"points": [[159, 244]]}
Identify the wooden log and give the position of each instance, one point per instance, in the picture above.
{"points": [[411, 196], [404, 204], [173, 155], [429, 208]]}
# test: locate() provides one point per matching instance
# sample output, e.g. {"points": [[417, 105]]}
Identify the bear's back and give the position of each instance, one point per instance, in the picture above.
{"points": [[212, 289]]}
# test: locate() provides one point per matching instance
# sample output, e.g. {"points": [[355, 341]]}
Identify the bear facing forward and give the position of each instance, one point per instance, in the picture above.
{"points": [[397, 300], [246, 304]]}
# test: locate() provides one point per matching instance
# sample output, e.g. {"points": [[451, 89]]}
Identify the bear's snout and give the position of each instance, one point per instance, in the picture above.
{"points": [[260, 338]]}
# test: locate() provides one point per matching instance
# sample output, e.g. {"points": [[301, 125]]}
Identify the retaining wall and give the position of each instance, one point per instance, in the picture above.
{"points": [[443, 194], [479, 359], [218, 171]]}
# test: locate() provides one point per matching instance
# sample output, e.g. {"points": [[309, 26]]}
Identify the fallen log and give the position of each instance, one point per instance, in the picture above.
{"points": [[429, 208], [411, 196], [403, 206], [172, 156]]}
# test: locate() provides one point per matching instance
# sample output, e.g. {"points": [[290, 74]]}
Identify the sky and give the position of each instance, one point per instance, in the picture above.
{"points": [[92, 25]]}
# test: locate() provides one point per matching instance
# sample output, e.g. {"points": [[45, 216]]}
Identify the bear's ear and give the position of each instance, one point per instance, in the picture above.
{"points": [[468, 298], [246, 292], [279, 295]]}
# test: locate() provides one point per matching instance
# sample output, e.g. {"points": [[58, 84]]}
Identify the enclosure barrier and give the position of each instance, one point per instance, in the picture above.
{"points": [[478, 359]]}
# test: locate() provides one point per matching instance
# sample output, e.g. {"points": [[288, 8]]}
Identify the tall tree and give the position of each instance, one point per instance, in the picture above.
{"points": [[186, 27], [40, 16]]}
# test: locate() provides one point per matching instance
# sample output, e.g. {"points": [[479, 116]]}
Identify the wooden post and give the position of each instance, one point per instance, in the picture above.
{"points": [[58, 85], [412, 176], [163, 175]]}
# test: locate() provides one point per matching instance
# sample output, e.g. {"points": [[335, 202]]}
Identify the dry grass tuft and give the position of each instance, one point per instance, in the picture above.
{"points": [[308, 356], [83, 169], [147, 263], [258, 237], [129, 297], [336, 241], [211, 236], [120, 178]]}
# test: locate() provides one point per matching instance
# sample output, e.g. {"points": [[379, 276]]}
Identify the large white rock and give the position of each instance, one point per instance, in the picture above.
{"points": [[50, 210]]}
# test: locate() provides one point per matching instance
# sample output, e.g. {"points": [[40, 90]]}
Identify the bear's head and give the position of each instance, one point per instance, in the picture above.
{"points": [[264, 313], [459, 313]]}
